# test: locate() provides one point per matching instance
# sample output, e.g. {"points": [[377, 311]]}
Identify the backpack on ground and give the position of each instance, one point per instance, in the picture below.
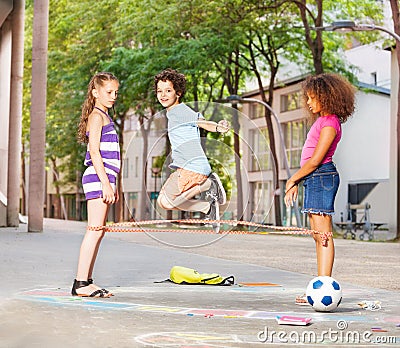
{"points": [[184, 275]]}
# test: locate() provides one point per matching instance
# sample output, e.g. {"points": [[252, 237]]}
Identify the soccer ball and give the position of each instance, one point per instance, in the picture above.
{"points": [[324, 294]]}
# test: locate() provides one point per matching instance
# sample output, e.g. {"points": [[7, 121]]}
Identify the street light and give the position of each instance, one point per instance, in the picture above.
{"points": [[238, 99], [346, 26]]}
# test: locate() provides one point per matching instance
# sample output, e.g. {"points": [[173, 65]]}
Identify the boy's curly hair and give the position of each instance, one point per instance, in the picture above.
{"points": [[177, 79], [335, 94]]}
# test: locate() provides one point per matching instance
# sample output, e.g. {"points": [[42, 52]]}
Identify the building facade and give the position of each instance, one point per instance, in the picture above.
{"points": [[362, 156]]}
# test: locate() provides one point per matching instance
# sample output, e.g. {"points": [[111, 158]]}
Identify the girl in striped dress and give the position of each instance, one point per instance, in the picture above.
{"points": [[96, 129]]}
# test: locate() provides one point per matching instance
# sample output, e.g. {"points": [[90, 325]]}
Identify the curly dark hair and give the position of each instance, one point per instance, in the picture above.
{"points": [[335, 94], [178, 81]]}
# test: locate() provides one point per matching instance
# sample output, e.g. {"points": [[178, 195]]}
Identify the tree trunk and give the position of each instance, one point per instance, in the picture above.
{"points": [[119, 206], [15, 123], [316, 45], [236, 149], [38, 116], [232, 78], [144, 196], [56, 201], [60, 201], [273, 64], [78, 214], [167, 170], [271, 136]]}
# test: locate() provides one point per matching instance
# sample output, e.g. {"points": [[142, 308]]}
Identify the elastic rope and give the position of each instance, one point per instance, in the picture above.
{"points": [[136, 226]]}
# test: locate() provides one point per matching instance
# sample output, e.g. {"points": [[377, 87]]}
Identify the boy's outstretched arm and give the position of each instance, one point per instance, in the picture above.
{"points": [[221, 127]]}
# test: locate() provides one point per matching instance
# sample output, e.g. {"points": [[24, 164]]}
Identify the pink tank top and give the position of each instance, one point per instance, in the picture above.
{"points": [[313, 137]]}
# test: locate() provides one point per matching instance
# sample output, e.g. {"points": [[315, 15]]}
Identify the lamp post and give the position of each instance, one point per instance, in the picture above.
{"points": [[156, 173], [239, 99], [345, 26]]}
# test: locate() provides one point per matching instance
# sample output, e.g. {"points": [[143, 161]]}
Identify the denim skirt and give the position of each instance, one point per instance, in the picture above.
{"points": [[320, 188]]}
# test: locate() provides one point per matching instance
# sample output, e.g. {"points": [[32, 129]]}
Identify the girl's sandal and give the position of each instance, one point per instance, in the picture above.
{"points": [[301, 300], [90, 281], [83, 283]]}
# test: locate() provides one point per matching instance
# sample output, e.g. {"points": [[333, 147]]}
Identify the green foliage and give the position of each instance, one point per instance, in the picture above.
{"points": [[207, 41]]}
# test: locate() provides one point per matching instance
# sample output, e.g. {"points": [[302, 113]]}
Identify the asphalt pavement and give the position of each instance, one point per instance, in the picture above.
{"points": [[37, 270]]}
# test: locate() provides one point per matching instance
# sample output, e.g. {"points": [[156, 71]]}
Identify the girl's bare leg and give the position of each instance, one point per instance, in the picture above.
{"points": [[97, 247], [325, 254], [97, 213]]}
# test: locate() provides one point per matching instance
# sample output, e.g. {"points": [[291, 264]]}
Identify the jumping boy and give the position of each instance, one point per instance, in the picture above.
{"points": [[192, 174]]}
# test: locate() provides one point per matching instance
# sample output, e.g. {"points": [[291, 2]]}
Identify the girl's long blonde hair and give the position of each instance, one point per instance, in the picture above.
{"points": [[96, 81]]}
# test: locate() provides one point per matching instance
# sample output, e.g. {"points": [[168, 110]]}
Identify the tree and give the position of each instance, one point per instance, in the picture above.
{"points": [[267, 38], [314, 13], [76, 51], [38, 116], [207, 42]]}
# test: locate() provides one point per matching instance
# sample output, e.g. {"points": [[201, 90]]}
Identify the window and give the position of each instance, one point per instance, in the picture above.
{"points": [[260, 156], [131, 123], [256, 110], [261, 202], [374, 78], [289, 213], [295, 135], [125, 168], [132, 203], [290, 102]]}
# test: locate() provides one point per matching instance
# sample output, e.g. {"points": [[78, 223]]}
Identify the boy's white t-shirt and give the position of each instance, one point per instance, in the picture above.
{"points": [[184, 136]]}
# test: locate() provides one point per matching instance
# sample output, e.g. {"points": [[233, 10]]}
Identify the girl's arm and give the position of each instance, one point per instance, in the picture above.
{"points": [[326, 138], [211, 126], [95, 124]]}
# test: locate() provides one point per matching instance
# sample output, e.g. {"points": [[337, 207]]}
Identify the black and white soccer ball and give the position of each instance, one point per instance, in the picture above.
{"points": [[324, 294]]}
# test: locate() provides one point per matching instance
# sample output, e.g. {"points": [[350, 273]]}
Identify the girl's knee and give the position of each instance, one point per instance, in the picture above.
{"points": [[95, 232], [321, 241]]}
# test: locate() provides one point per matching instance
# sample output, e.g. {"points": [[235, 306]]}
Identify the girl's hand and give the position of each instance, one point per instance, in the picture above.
{"points": [[108, 194], [223, 126], [116, 196], [291, 193]]}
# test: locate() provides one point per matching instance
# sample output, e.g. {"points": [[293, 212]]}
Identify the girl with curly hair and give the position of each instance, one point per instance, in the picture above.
{"points": [[330, 99]]}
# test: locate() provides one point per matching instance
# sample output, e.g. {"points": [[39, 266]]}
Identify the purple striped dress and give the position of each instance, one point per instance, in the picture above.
{"points": [[110, 153]]}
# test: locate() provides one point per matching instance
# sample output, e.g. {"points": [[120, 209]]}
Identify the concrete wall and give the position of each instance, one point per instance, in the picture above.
{"points": [[5, 73], [132, 161], [392, 199], [377, 65], [363, 155], [6, 7]]}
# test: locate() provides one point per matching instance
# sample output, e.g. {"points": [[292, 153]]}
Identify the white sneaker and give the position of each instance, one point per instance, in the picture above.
{"points": [[216, 191]]}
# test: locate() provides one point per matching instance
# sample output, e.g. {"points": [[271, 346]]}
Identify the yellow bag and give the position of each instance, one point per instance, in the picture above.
{"points": [[183, 275]]}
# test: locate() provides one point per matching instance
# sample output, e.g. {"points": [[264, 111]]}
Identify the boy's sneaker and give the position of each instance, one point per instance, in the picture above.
{"points": [[213, 214], [216, 191]]}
